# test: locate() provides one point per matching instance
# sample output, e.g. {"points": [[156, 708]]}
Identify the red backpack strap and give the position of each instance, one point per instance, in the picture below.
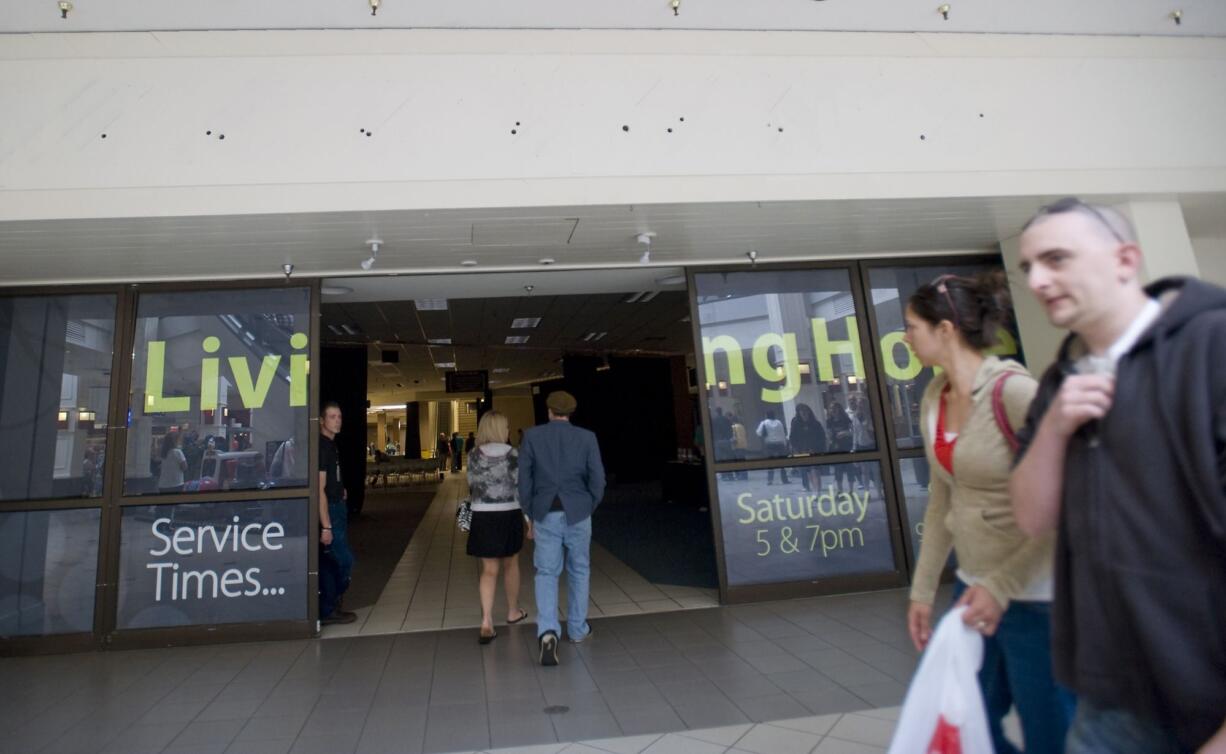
{"points": [[998, 408]]}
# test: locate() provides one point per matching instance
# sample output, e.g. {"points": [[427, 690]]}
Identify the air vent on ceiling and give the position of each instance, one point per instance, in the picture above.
{"points": [[525, 323], [516, 339], [75, 332], [592, 337]]}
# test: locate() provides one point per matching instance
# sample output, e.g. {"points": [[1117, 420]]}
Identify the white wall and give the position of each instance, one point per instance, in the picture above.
{"points": [[1211, 259], [1086, 115]]}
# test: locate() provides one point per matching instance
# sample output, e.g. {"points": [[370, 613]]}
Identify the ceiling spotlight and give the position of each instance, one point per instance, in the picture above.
{"points": [[943, 9], [1176, 16], [288, 269], [676, 6], [753, 256], [529, 288], [468, 263], [374, 6], [548, 261], [373, 243], [644, 239], [65, 6]]}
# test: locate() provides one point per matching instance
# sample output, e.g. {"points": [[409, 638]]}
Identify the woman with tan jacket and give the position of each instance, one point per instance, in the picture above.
{"points": [[967, 417]]}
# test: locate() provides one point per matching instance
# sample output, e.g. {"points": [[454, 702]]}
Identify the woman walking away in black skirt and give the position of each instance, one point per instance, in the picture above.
{"points": [[498, 526]]}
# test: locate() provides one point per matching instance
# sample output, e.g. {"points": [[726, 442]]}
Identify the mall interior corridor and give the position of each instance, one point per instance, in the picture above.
{"points": [[434, 585]]}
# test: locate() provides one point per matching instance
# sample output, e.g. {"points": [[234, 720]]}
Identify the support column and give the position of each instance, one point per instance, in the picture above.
{"points": [[1163, 236]]}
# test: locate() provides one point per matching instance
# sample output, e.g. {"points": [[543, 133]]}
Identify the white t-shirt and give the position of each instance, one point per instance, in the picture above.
{"points": [[171, 472], [771, 430]]}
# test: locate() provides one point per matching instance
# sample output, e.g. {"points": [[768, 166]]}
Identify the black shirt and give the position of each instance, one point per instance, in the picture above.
{"points": [[330, 464]]}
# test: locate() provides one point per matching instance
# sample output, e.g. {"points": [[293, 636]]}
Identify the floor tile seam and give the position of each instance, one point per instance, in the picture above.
{"points": [[434, 524]]}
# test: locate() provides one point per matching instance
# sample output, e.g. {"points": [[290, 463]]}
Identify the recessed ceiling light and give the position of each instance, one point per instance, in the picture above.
{"points": [[548, 260], [335, 290], [501, 370], [439, 341], [516, 339], [468, 263], [445, 364], [430, 304], [525, 323]]}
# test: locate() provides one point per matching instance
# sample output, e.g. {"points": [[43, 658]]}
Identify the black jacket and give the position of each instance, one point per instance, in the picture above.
{"points": [[1139, 619]]}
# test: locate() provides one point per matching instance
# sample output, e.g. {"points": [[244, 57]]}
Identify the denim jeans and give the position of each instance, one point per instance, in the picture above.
{"points": [[1105, 730], [552, 535], [335, 560], [1017, 670]]}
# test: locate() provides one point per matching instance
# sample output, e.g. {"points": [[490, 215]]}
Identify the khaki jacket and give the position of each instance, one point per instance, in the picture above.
{"points": [[971, 513]]}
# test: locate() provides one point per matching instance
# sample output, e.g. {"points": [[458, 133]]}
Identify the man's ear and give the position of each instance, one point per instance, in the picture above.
{"points": [[1128, 262]]}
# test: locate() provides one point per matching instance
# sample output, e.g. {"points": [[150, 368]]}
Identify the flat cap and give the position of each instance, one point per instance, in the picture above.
{"points": [[561, 403]]}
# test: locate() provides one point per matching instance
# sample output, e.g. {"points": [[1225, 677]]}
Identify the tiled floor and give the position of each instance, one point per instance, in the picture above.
{"points": [[640, 676], [435, 584]]}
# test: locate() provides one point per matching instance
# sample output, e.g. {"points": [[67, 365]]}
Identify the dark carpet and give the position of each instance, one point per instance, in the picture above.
{"points": [[379, 537], [666, 543]]}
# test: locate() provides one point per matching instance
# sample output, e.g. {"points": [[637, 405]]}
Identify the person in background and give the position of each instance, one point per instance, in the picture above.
{"points": [[721, 435], [335, 557], [457, 451], [561, 481], [442, 451], [740, 444], [497, 532], [808, 437], [1004, 577], [1124, 457], [173, 463], [774, 444], [469, 443]]}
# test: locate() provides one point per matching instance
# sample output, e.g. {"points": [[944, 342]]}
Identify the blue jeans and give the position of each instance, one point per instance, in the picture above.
{"points": [[1104, 730], [1017, 670], [552, 534], [335, 560]]}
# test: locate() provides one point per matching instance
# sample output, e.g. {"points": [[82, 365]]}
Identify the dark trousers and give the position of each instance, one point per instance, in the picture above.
{"points": [[335, 560], [1017, 670]]}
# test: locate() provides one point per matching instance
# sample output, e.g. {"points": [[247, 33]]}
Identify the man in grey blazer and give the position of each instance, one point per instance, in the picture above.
{"points": [[561, 481]]}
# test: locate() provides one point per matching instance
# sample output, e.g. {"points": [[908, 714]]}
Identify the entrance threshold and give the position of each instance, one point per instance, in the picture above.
{"points": [[434, 586]]}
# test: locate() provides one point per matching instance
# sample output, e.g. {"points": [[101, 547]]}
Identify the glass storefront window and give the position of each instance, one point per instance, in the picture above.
{"points": [[48, 569], [55, 381], [784, 367], [209, 563], [905, 377], [803, 523], [913, 480], [219, 391]]}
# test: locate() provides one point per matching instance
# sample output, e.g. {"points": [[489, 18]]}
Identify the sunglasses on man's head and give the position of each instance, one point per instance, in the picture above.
{"points": [[1073, 204]]}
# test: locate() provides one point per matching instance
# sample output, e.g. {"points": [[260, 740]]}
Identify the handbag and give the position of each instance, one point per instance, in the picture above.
{"points": [[464, 515]]}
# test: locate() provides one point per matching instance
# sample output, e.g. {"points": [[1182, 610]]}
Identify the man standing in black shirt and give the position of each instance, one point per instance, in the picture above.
{"points": [[335, 557]]}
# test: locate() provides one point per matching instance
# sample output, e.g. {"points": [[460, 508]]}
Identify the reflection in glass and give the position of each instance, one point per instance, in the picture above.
{"points": [[784, 364], [48, 565], [905, 377], [55, 381], [804, 523], [219, 392], [211, 563], [913, 477]]}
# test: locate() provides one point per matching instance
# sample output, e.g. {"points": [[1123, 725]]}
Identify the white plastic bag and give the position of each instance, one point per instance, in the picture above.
{"points": [[943, 712]]}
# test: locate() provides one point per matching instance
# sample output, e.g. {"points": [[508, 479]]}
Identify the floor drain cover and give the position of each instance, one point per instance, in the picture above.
{"points": [[557, 709]]}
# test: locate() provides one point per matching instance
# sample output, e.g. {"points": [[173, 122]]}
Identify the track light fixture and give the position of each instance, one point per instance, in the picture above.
{"points": [[1177, 17], [65, 6], [374, 6], [645, 239], [753, 257], [676, 6], [369, 262], [943, 9]]}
